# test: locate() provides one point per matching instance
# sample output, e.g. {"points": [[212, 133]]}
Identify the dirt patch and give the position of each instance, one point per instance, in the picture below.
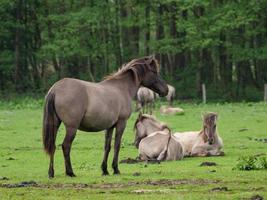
{"points": [[256, 197], [243, 129], [131, 161], [163, 182], [4, 178], [21, 184], [136, 174], [137, 160], [219, 189], [208, 164], [10, 158], [143, 191], [264, 140]]}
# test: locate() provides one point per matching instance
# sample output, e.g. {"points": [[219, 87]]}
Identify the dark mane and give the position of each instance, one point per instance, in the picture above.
{"points": [[138, 66], [210, 117]]}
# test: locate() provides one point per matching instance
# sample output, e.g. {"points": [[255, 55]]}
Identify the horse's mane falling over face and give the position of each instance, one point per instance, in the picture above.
{"points": [[209, 127]]}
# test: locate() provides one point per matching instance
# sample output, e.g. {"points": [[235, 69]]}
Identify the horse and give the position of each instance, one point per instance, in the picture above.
{"points": [[154, 140], [145, 99], [165, 110], [206, 142], [160, 146], [94, 107], [146, 125], [171, 94]]}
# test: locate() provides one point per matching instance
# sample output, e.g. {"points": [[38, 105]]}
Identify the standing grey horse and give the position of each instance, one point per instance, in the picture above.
{"points": [[95, 107], [206, 142], [171, 94], [145, 99]]}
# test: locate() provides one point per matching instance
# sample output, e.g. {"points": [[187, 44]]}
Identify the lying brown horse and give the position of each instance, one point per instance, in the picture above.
{"points": [[95, 107]]}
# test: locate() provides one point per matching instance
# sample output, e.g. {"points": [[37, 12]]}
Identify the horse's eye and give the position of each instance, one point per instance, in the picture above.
{"points": [[214, 126]]}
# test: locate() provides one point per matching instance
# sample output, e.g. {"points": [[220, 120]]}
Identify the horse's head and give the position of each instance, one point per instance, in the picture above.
{"points": [[151, 78], [209, 127], [145, 125]]}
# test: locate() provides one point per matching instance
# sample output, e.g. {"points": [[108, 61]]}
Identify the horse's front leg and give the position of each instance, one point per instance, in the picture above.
{"points": [[215, 152], [108, 139], [199, 151], [120, 126]]}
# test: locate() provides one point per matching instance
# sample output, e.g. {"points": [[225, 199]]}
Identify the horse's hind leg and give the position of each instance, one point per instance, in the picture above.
{"points": [[66, 146], [120, 126], [108, 139]]}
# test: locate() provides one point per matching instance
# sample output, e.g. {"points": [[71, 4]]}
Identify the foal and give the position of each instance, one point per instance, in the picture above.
{"points": [[206, 142], [146, 125], [155, 141]]}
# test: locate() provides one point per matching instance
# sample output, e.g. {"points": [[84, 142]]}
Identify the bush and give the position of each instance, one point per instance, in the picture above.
{"points": [[255, 162]]}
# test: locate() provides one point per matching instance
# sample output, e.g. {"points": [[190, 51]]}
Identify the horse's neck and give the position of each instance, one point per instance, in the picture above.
{"points": [[126, 84]]}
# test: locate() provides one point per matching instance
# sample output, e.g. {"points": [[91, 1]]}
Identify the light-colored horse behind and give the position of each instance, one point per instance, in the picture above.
{"points": [[167, 110], [206, 142], [171, 94], [145, 100]]}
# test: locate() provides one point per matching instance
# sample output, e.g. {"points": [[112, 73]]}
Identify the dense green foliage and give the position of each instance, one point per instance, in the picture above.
{"points": [[23, 159], [222, 43], [254, 162]]}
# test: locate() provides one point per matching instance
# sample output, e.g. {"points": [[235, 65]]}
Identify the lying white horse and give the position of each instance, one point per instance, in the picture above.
{"points": [[155, 141], [146, 125], [167, 110], [160, 145], [206, 142]]}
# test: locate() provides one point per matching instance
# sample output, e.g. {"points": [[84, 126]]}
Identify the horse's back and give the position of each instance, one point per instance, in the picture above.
{"points": [[70, 100], [85, 105], [187, 140], [152, 145]]}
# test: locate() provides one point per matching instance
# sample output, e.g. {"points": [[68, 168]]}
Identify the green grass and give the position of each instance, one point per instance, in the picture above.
{"points": [[20, 138]]}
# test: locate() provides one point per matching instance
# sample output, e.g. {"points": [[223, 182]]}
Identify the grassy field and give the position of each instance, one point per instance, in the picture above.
{"points": [[22, 159]]}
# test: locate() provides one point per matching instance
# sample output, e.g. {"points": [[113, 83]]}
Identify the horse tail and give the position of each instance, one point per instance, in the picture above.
{"points": [[163, 155], [50, 124]]}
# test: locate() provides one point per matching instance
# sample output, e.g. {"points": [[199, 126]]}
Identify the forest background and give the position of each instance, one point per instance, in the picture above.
{"points": [[222, 43]]}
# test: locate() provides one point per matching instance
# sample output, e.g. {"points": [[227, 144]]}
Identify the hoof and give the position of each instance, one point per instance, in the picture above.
{"points": [[51, 176], [105, 173], [117, 172], [71, 174]]}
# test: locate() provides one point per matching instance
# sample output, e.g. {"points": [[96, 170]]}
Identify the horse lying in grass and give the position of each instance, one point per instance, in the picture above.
{"points": [[200, 143], [206, 142], [167, 110], [95, 107], [155, 141]]}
